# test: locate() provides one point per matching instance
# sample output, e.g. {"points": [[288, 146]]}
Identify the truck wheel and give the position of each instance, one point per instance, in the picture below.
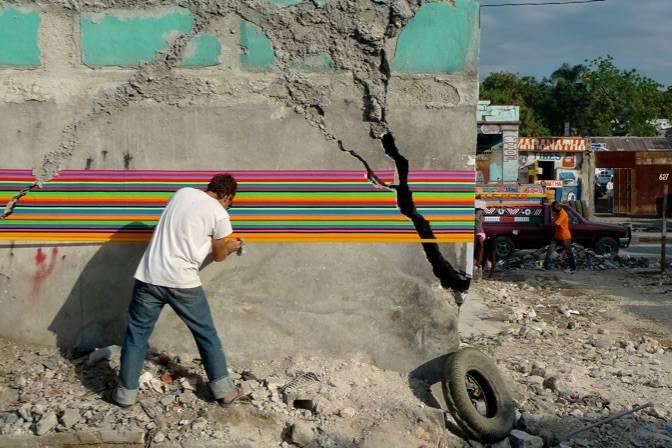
{"points": [[503, 246], [606, 246], [477, 397]]}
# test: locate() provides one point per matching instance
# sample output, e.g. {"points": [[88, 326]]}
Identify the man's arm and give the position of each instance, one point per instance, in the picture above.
{"points": [[224, 247]]}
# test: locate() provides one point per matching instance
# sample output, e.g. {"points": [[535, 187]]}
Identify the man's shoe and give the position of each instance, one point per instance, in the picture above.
{"points": [[238, 398], [108, 396], [570, 271]]}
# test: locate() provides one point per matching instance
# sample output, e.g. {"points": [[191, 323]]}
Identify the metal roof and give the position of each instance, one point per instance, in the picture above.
{"points": [[632, 143]]}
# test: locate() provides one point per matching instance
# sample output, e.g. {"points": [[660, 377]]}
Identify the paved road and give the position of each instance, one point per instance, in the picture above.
{"points": [[647, 250]]}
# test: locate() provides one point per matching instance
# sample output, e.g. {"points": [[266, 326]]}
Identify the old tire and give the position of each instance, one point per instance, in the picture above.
{"points": [[477, 397], [503, 246], [606, 246]]}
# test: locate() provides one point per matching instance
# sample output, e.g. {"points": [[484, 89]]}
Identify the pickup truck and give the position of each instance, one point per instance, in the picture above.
{"points": [[532, 228]]}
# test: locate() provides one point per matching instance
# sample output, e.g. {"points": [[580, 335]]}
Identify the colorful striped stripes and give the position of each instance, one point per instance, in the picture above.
{"points": [[271, 206]]}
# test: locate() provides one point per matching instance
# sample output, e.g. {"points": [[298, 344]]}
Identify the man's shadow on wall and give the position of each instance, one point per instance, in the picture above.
{"points": [[94, 314]]}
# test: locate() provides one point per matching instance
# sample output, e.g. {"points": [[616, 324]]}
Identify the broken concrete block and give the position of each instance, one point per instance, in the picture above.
{"points": [[10, 419], [520, 439], [46, 423], [501, 444], [122, 437], [145, 379], [38, 409], [188, 383], [535, 380], [24, 413], [302, 434], [70, 418], [248, 386]]}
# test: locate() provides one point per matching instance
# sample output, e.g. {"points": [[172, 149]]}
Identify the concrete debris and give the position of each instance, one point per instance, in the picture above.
{"points": [[520, 439], [302, 434], [586, 259], [159, 437], [561, 380], [573, 361], [46, 423], [70, 418]]}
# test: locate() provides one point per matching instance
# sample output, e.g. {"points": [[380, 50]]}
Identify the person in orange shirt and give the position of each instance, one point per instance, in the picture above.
{"points": [[561, 236]]}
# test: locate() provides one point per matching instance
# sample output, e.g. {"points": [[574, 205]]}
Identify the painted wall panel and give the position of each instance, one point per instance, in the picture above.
{"points": [[18, 37], [202, 50], [288, 2], [257, 52], [440, 38], [316, 63], [123, 38]]}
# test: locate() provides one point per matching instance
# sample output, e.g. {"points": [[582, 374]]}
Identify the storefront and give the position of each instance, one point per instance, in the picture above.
{"points": [[555, 162], [634, 171], [513, 202], [496, 152]]}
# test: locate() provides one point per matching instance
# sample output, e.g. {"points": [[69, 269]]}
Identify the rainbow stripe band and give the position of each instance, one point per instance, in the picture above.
{"points": [[271, 206]]}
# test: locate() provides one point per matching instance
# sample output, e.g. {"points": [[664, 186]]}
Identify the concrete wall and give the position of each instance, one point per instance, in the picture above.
{"points": [[274, 85]]}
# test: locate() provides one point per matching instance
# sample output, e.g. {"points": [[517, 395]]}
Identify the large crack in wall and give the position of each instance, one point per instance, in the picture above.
{"points": [[356, 36]]}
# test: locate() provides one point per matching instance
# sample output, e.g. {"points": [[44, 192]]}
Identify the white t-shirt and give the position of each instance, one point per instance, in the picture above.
{"points": [[182, 239]]}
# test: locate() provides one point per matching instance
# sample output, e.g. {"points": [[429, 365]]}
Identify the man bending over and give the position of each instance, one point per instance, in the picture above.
{"points": [[193, 224]]}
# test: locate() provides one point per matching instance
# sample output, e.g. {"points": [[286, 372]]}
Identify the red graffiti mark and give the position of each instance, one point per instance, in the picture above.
{"points": [[40, 257], [43, 269]]}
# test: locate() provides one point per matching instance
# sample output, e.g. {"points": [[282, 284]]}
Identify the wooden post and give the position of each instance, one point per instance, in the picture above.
{"points": [[663, 236]]}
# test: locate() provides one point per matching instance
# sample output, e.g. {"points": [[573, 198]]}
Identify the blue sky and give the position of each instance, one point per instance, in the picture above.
{"points": [[535, 40]]}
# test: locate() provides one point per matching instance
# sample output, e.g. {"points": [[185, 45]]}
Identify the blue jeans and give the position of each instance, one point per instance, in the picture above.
{"points": [[192, 307]]}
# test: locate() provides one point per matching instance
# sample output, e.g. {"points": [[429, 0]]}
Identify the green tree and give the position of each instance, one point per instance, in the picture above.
{"points": [[568, 99], [595, 99], [622, 102]]}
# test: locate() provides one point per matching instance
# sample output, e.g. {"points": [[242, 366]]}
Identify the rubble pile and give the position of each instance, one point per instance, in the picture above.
{"points": [[572, 365], [586, 259], [294, 402], [568, 356]]}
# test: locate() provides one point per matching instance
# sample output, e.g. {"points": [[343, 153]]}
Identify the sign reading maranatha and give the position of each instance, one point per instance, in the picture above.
{"points": [[553, 144]]}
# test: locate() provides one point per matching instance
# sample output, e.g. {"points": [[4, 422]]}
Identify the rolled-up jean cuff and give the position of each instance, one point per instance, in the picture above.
{"points": [[124, 396], [222, 387]]}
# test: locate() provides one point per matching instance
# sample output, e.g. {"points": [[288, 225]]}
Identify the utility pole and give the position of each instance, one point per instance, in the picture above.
{"points": [[663, 236]]}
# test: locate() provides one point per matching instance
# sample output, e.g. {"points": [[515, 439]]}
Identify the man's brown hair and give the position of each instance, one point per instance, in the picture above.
{"points": [[222, 185]]}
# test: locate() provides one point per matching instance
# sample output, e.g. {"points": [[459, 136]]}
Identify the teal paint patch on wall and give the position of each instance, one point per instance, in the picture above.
{"points": [[285, 2], [128, 40], [257, 52], [203, 50], [18, 37], [440, 38], [315, 63]]}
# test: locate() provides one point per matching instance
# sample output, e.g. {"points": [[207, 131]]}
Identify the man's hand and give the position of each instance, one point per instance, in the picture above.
{"points": [[224, 247]]}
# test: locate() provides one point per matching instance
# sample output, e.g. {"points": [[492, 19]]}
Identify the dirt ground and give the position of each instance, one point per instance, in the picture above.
{"points": [[573, 348]]}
